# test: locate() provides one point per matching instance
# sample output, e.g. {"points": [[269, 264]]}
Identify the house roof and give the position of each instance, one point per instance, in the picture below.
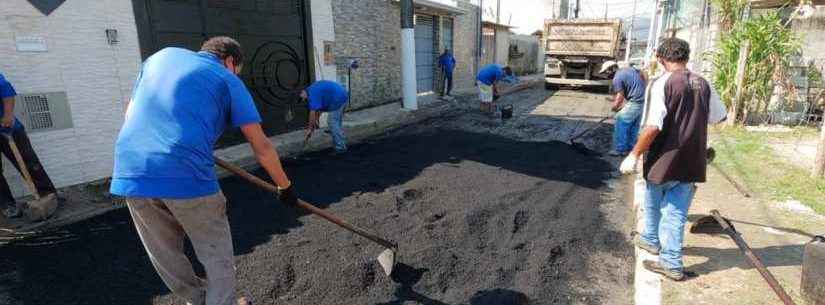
{"points": [[498, 25]]}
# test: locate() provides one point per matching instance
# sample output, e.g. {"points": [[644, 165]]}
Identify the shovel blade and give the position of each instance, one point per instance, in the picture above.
{"points": [[709, 225], [387, 260]]}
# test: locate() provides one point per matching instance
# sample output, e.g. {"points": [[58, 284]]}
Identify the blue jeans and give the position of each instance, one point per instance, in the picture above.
{"points": [[666, 208], [335, 120], [626, 130]]}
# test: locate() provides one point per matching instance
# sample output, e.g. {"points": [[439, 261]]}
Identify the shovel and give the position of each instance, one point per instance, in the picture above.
{"points": [[41, 207], [387, 257], [716, 224]]}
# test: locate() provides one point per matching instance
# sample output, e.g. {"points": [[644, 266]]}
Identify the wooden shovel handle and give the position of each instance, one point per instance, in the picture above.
{"points": [[22, 165], [304, 205]]}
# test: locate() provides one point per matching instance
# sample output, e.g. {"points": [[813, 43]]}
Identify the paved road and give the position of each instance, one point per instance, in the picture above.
{"points": [[486, 212]]}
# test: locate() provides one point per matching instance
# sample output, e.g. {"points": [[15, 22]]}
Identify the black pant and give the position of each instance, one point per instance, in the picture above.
{"points": [[40, 178], [448, 78]]}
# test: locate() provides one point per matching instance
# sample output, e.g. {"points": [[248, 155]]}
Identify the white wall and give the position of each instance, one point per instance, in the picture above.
{"points": [[96, 77], [322, 30]]}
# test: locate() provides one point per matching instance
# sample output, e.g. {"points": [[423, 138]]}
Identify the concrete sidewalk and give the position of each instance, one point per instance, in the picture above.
{"points": [[724, 276]]}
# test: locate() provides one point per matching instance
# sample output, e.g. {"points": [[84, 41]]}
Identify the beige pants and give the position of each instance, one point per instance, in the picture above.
{"points": [[162, 225]]}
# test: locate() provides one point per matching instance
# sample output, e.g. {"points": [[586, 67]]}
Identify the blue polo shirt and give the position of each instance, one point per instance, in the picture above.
{"points": [[7, 90], [447, 63], [325, 95], [629, 81], [181, 104], [490, 74]]}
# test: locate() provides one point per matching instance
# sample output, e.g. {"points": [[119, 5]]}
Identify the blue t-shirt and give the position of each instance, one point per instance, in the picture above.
{"points": [[7, 90], [325, 95], [447, 63], [629, 81], [181, 104], [490, 74]]}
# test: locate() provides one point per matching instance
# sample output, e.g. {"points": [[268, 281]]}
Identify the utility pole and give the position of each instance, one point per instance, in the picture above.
{"points": [[408, 80], [498, 11], [651, 33], [605, 9], [630, 34], [576, 10]]}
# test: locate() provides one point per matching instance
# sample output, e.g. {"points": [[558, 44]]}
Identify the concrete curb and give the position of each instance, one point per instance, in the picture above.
{"points": [[648, 285]]}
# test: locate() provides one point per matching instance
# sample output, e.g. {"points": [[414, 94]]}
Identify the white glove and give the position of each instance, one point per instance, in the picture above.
{"points": [[629, 164]]}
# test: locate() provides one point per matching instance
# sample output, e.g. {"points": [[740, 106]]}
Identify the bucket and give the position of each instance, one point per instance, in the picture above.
{"points": [[813, 277], [506, 111]]}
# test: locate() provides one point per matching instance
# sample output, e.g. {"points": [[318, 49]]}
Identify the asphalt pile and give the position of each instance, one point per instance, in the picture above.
{"points": [[480, 219]]}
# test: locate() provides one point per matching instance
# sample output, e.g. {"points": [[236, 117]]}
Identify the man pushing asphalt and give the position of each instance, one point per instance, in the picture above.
{"points": [[487, 80], [181, 104], [629, 97]]}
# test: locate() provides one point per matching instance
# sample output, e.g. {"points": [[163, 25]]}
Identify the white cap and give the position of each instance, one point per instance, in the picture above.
{"points": [[607, 65]]}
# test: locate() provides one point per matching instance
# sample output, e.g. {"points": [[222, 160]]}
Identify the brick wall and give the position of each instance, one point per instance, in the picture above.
{"points": [[97, 78], [370, 31]]}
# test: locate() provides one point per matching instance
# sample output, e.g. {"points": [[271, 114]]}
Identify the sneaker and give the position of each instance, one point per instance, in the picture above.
{"points": [[12, 211], [676, 275], [645, 246]]}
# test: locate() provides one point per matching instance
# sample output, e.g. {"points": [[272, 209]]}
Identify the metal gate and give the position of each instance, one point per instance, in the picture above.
{"points": [[273, 33], [424, 53]]}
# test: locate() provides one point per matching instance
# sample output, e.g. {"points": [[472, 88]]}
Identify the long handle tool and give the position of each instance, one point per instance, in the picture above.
{"points": [[715, 224], [387, 257]]}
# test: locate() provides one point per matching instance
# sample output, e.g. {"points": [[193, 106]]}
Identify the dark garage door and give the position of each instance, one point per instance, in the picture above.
{"points": [[424, 53], [274, 37]]}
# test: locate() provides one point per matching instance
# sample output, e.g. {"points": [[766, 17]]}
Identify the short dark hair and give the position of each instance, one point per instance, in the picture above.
{"points": [[673, 50], [508, 71], [223, 47]]}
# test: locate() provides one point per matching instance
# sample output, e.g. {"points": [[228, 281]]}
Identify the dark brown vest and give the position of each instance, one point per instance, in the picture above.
{"points": [[679, 152]]}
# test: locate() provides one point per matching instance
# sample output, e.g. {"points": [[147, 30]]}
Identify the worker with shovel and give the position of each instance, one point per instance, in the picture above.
{"points": [[487, 80], [164, 165], [15, 145], [447, 64], [330, 97], [679, 106], [629, 97]]}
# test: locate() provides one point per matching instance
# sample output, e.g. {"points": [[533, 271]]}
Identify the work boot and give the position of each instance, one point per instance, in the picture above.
{"points": [[673, 274], [645, 246]]}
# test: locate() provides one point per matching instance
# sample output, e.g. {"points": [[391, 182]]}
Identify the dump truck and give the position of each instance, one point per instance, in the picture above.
{"points": [[576, 48]]}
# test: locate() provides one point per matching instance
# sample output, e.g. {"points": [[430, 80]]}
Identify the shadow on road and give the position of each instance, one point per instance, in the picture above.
{"points": [[723, 259]]}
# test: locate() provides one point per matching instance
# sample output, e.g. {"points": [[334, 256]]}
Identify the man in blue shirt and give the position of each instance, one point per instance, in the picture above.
{"points": [[164, 165], [487, 80], [9, 125], [447, 63], [327, 96], [629, 89]]}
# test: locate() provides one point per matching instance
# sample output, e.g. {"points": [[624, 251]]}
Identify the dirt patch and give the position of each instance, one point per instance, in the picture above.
{"points": [[481, 218]]}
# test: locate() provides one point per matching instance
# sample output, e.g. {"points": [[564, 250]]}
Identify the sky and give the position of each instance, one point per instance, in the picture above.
{"points": [[528, 15]]}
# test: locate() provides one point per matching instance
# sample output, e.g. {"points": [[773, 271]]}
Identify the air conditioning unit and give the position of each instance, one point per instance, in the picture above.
{"points": [[41, 112]]}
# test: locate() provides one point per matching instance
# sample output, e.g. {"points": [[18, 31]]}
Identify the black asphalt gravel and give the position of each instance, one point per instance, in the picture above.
{"points": [[480, 218]]}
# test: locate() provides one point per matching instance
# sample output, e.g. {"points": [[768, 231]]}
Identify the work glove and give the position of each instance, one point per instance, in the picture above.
{"points": [[288, 196], [628, 166]]}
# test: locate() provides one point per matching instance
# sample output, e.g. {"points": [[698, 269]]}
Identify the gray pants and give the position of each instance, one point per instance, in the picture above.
{"points": [[162, 225]]}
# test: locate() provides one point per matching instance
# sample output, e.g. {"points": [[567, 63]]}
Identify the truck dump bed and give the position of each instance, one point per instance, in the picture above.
{"points": [[582, 37]]}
